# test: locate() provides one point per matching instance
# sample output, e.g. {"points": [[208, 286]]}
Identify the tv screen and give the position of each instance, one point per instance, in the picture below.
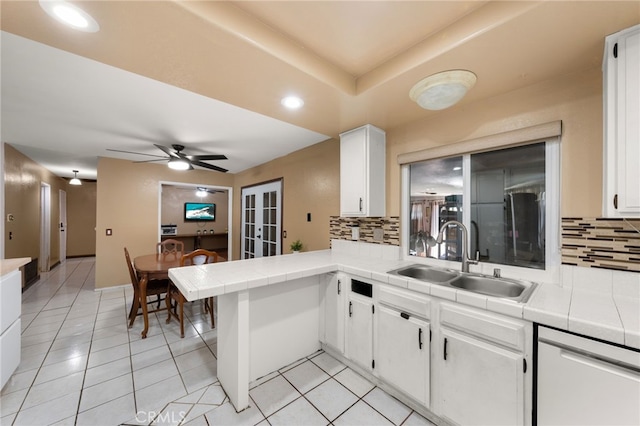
{"points": [[199, 211]]}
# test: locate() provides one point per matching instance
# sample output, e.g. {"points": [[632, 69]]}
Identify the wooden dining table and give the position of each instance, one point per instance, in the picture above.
{"points": [[153, 267]]}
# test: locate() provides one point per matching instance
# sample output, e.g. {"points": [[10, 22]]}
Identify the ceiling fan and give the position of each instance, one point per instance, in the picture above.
{"points": [[180, 161]]}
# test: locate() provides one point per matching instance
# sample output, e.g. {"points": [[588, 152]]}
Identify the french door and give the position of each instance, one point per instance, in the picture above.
{"points": [[261, 220]]}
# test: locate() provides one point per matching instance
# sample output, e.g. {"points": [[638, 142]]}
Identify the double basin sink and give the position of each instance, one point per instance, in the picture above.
{"points": [[516, 290]]}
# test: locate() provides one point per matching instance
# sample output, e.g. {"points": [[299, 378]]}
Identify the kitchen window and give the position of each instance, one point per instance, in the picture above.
{"points": [[507, 198]]}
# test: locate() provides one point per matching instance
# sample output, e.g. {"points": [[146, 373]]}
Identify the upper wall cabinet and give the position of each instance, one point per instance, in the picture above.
{"points": [[621, 79], [362, 172]]}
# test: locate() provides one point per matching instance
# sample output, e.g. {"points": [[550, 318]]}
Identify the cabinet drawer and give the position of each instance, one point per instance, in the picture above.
{"points": [[405, 301], [492, 327]]}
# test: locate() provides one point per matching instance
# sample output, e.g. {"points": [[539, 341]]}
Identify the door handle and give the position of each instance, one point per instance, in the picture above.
{"points": [[361, 204], [350, 309], [338, 286], [420, 338]]}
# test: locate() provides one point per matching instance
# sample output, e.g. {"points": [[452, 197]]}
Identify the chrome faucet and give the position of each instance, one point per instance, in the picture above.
{"points": [[465, 244]]}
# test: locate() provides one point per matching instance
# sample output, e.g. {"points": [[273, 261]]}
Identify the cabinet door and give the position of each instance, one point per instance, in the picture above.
{"points": [[353, 171], [480, 383], [622, 123], [359, 338], [402, 357], [334, 298]]}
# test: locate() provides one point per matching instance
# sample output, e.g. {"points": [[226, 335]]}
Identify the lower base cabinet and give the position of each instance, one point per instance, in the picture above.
{"points": [[359, 331], [480, 383], [483, 367], [402, 358], [465, 365]]}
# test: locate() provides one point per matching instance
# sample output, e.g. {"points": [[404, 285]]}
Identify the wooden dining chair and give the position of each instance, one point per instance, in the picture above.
{"points": [[196, 257], [154, 288], [170, 246]]}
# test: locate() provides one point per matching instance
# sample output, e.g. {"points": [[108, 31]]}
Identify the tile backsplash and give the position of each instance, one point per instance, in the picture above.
{"points": [[377, 230], [601, 243], [587, 242]]}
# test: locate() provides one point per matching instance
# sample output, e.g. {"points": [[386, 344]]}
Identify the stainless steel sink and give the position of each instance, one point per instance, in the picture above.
{"points": [[498, 287], [506, 288], [426, 273]]}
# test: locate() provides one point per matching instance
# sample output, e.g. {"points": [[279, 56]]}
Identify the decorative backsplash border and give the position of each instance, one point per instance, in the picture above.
{"points": [[340, 229], [601, 243], [588, 242]]}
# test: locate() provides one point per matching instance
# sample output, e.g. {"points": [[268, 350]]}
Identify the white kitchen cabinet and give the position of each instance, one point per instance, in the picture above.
{"points": [[334, 298], [10, 309], [482, 368], [621, 79], [362, 172], [402, 358], [359, 331]]}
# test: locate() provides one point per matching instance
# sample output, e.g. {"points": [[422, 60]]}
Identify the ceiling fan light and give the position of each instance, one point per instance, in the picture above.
{"points": [[178, 164], [75, 180], [201, 193], [442, 90]]}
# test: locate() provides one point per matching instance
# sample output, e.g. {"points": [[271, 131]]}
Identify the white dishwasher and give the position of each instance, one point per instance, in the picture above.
{"points": [[581, 381]]}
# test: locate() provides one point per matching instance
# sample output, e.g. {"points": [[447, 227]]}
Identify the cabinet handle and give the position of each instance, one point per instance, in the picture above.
{"points": [[338, 286], [615, 201], [420, 338], [360, 203], [445, 349], [350, 309]]}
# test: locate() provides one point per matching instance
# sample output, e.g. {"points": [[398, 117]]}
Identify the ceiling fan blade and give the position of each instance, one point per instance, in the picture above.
{"points": [[167, 150], [207, 157], [137, 153], [209, 166], [151, 161]]}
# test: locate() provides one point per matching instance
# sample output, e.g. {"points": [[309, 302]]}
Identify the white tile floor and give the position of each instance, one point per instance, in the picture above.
{"points": [[82, 366]]}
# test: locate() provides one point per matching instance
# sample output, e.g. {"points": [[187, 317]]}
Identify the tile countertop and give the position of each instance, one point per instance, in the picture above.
{"points": [[8, 265], [599, 303]]}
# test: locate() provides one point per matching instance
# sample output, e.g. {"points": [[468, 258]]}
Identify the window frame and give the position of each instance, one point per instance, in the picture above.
{"points": [[553, 250]]}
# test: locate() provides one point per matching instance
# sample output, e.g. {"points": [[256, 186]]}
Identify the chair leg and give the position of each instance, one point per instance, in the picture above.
{"points": [[167, 299], [181, 302], [135, 305]]}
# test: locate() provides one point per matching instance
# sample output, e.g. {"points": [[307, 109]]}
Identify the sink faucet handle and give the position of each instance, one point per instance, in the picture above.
{"points": [[496, 272], [475, 260]]}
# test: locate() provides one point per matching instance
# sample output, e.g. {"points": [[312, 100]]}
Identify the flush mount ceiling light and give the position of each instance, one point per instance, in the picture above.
{"points": [[70, 15], [179, 164], [292, 102], [442, 90], [75, 180]]}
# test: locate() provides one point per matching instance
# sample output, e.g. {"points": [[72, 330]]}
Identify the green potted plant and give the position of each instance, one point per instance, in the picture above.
{"points": [[296, 246]]}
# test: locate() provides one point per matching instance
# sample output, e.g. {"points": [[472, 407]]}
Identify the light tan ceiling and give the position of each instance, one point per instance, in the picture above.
{"points": [[352, 62]]}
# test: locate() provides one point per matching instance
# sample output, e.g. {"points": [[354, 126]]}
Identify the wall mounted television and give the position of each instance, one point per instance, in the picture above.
{"points": [[195, 212]]}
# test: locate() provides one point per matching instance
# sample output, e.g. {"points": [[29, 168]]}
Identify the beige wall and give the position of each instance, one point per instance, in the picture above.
{"points": [[575, 99], [127, 203], [81, 219], [311, 184], [22, 199], [173, 199]]}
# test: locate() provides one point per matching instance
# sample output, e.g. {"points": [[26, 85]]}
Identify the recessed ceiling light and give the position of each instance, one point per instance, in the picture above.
{"points": [[70, 15], [292, 102]]}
